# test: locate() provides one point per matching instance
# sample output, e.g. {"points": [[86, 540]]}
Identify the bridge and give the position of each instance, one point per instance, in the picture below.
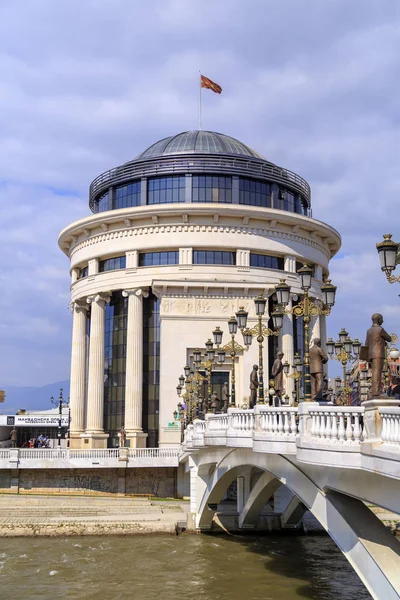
{"points": [[335, 460]]}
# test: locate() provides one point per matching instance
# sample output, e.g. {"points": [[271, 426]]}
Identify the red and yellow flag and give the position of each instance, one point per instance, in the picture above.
{"points": [[210, 85]]}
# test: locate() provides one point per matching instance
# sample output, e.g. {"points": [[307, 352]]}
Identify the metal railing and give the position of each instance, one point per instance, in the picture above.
{"points": [[198, 163]]}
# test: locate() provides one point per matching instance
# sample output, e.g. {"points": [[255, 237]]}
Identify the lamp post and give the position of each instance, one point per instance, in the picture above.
{"points": [[297, 369], [60, 403], [344, 350], [231, 347], [260, 331], [307, 309]]}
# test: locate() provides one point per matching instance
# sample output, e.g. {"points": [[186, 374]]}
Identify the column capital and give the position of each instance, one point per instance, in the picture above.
{"points": [[103, 297], [136, 292], [80, 304]]}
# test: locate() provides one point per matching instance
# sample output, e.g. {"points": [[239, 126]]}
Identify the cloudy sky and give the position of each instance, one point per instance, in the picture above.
{"points": [[86, 85]]}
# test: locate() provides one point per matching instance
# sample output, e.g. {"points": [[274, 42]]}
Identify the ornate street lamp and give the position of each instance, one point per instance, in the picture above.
{"points": [[260, 331], [344, 350], [61, 403], [307, 309], [388, 256]]}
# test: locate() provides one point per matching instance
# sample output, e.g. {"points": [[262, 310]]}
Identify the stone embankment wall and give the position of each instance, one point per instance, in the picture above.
{"points": [[160, 481]]}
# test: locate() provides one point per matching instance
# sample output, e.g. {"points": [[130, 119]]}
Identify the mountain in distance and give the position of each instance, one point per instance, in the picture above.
{"points": [[32, 398]]}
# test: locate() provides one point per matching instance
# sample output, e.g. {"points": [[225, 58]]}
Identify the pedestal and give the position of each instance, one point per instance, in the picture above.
{"points": [[372, 418], [91, 441], [136, 439]]}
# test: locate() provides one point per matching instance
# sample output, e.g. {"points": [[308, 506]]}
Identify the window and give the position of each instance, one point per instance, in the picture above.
{"points": [[103, 203], [152, 259], [127, 195], [116, 314], [151, 368], [211, 188], [255, 193], [263, 261], [213, 257], [285, 200], [83, 272], [165, 190], [112, 264]]}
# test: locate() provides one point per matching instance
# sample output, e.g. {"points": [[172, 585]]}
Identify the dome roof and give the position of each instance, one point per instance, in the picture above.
{"points": [[199, 142]]}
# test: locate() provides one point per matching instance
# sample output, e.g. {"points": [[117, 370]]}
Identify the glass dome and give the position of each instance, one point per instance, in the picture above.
{"points": [[199, 142]]}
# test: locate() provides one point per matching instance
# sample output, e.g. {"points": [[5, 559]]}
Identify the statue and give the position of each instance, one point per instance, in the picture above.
{"points": [[325, 389], [225, 397], [376, 345], [253, 386], [317, 359], [277, 374], [214, 402], [122, 437]]}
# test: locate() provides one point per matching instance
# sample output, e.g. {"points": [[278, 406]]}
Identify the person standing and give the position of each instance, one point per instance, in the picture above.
{"points": [[14, 437]]}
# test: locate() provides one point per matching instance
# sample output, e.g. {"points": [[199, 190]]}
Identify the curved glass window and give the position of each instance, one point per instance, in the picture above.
{"points": [[255, 193], [210, 188], [264, 261], [151, 368], [116, 313], [112, 264], [153, 259], [165, 190], [213, 257], [285, 200], [103, 203], [127, 195], [84, 272]]}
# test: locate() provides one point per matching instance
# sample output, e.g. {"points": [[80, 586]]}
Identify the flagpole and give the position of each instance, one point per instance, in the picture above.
{"points": [[200, 123]]}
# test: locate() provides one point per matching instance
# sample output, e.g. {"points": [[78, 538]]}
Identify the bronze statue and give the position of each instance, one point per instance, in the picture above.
{"points": [[277, 374], [253, 386], [225, 397], [376, 344], [122, 437], [214, 402], [317, 359]]}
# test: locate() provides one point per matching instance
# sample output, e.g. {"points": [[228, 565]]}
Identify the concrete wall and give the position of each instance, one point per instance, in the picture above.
{"points": [[159, 482]]}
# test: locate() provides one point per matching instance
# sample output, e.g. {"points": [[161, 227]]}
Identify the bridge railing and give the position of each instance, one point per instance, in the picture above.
{"points": [[390, 426], [337, 424], [280, 421]]}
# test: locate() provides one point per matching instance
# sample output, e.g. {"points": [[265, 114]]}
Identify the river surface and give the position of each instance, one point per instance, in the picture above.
{"points": [[188, 567]]}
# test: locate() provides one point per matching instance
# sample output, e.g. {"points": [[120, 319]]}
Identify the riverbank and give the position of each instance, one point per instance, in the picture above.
{"points": [[28, 515]]}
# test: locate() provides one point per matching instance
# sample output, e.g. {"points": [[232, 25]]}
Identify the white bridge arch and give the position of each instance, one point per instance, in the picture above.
{"points": [[333, 478]]}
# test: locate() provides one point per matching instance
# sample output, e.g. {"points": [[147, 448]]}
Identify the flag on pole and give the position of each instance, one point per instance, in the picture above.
{"points": [[210, 85]]}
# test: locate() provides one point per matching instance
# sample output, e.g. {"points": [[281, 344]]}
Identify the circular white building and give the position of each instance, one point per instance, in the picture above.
{"points": [[180, 238]]}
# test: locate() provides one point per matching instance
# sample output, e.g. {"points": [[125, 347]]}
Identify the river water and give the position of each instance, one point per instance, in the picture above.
{"points": [[188, 567]]}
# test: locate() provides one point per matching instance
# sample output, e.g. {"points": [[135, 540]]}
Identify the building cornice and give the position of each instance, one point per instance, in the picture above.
{"points": [[241, 219]]}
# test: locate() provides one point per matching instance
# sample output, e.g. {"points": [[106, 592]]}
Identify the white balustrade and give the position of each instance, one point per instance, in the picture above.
{"points": [[278, 421], [337, 424], [241, 420], [216, 423], [390, 426]]}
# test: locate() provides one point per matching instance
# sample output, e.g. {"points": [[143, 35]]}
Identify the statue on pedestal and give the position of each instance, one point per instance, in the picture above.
{"points": [[277, 374], [253, 386], [122, 437], [214, 402], [376, 345], [225, 397], [317, 359]]}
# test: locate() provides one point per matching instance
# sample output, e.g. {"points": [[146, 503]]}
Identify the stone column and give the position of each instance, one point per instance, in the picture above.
{"points": [[288, 350], [134, 368], [315, 328], [94, 434], [78, 372]]}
